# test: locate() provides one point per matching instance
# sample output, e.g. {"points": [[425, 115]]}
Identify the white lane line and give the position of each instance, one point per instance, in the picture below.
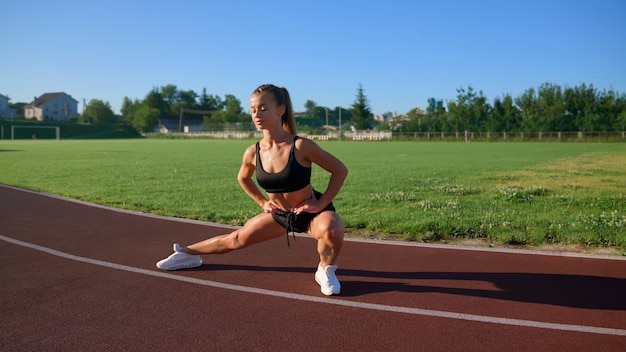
{"points": [[326, 300]]}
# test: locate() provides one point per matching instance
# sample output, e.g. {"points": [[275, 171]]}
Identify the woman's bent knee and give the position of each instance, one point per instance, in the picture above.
{"points": [[335, 235], [327, 226]]}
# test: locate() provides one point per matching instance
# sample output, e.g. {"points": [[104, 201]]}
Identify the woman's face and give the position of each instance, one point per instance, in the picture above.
{"points": [[265, 112]]}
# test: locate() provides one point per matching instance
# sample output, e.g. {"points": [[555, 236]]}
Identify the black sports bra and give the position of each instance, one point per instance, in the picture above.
{"points": [[292, 178]]}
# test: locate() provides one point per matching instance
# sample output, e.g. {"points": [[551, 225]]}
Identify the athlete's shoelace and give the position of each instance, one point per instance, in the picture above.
{"points": [[291, 217]]}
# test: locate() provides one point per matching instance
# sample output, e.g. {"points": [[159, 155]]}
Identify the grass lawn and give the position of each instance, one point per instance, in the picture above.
{"points": [[504, 193]]}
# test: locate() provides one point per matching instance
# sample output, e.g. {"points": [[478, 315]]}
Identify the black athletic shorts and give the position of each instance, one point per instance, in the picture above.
{"points": [[299, 222]]}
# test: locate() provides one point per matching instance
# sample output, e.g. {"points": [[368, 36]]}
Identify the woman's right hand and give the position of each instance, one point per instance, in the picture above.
{"points": [[270, 207]]}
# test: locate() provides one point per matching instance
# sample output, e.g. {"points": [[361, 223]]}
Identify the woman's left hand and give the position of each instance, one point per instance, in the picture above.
{"points": [[311, 205]]}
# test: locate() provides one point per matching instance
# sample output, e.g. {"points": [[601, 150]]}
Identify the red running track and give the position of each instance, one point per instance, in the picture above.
{"points": [[79, 277]]}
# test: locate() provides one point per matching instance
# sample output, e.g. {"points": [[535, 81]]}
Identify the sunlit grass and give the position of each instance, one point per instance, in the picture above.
{"points": [[594, 173], [510, 193]]}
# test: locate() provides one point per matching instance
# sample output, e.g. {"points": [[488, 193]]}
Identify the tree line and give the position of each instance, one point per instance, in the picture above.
{"points": [[169, 102], [548, 108]]}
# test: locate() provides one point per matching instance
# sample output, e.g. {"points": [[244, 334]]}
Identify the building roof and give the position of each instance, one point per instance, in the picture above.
{"points": [[46, 98]]}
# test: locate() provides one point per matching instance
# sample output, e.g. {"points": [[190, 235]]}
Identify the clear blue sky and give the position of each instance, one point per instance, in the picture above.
{"points": [[402, 52]]}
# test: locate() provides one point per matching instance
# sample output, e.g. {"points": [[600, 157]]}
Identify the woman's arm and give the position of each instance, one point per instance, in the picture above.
{"points": [[338, 173], [246, 171]]}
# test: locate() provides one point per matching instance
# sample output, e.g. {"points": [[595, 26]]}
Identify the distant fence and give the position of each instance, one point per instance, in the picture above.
{"points": [[333, 135], [421, 136], [210, 134], [514, 136], [353, 136]]}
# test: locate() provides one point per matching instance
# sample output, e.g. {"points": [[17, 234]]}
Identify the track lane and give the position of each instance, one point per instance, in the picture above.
{"points": [[416, 279]]}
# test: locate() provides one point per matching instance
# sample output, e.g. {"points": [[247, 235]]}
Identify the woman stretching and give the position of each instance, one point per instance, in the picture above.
{"points": [[282, 162]]}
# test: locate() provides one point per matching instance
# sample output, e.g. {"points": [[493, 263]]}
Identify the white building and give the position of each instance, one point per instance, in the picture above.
{"points": [[52, 107], [5, 111]]}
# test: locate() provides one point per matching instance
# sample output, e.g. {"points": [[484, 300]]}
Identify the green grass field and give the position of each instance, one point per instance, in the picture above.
{"points": [[505, 193]]}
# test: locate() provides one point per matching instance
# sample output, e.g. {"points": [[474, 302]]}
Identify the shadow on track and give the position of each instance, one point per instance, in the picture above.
{"points": [[578, 291]]}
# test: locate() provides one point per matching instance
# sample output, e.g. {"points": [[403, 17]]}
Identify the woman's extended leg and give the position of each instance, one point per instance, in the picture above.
{"points": [[258, 229]]}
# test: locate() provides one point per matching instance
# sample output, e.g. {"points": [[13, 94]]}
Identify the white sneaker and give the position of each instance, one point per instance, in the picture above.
{"points": [[179, 260], [327, 280]]}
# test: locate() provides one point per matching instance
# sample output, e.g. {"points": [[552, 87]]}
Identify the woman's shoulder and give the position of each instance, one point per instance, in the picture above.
{"points": [[307, 148], [305, 143], [251, 148], [302, 141], [250, 152]]}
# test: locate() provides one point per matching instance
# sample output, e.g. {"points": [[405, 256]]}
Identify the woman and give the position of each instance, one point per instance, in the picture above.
{"points": [[282, 162]]}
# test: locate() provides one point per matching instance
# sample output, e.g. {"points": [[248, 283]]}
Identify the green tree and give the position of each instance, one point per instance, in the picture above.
{"points": [[530, 116], [511, 113], [233, 111], [98, 112], [414, 122], [170, 93], [310, 109], [462, 109], [579, 107], [504, 115], [128, 110], [619, 123], [344, 116], [154, 99], [608, 109], [362, 117], [573, 108], [209, 102], [145, 118], [314, 115], [455, 116], [333, 115], [550, 107], [480, 111], [434, 119], [185, 99], [231, 115]]}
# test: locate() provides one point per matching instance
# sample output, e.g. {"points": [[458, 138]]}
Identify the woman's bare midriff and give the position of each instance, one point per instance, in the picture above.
{"points": [[288, 201]]}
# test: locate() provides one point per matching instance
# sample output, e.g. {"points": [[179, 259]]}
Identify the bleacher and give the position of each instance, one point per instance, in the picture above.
{"points": [[173, 125]]}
